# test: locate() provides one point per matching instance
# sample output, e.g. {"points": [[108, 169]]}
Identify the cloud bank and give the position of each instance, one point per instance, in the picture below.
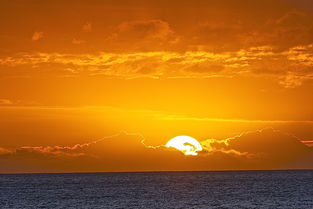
{"points": [[263, 149], [290, 68]]}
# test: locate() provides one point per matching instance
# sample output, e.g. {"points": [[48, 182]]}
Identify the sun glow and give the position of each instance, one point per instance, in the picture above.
{"points": [[185, 144]]}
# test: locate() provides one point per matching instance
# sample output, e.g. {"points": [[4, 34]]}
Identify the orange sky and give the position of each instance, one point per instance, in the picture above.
{"points": [[103, 85]]}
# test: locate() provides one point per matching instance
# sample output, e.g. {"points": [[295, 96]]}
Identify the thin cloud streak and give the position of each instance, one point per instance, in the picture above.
{"points": [[155, 114], [234, 120]]}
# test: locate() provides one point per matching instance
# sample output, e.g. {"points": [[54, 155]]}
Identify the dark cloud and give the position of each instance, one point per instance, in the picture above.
{"points": [[272, 147], [290, 29], [37, 36], [265, 149], [143, 35]]}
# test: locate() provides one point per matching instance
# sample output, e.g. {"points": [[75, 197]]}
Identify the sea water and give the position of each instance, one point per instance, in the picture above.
{"points": [[225, 189]]}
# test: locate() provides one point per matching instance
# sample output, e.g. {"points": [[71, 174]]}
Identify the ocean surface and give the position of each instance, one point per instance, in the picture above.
{"points": [[229, 189]]}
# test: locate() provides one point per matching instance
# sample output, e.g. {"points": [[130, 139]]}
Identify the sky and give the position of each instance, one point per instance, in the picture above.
{"points": [[96, 86]]}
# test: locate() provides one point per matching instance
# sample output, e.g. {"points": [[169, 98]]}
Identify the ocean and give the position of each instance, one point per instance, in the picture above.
{"points": [[218, 189]]}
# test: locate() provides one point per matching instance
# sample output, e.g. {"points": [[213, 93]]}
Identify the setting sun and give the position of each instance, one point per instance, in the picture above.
{"points": [[185, 144]]}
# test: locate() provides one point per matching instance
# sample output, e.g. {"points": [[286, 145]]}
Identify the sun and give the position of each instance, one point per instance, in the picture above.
{"points": [[185, 144]]}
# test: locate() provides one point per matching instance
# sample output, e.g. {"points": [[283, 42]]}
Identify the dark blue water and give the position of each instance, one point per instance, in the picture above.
{"points": [[243, 189]]}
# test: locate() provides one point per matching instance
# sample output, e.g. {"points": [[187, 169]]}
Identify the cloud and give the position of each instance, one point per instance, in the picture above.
{"points": [[292, 29], [281, 49], [289, 29], [290, 68], [143, 35], [85, 149], [5, 151], [263, 149], [6, 102], [217, 36], [37, 35], [17, 103], [186, 118], [150, 29], [216, 26], [87, 27], [77, 41], [308, 143], [264, 141]]}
